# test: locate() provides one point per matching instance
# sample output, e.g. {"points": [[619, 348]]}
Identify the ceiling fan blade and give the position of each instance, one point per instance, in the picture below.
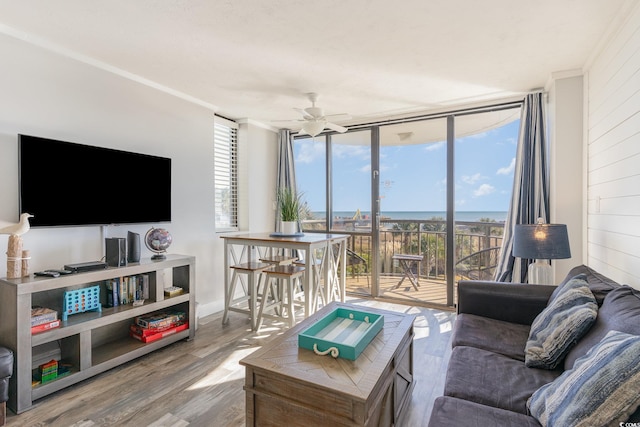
{"points": [[335, 127], [306, 115], [314, 113], [292, 121]]}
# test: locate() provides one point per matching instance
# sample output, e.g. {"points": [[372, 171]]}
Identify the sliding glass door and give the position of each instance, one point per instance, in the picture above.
{"points": [[424, 201], [334, 174], [413, 205]]}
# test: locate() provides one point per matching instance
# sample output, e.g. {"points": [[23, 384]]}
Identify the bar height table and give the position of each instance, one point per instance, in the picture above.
{"points": [[328, 250]]}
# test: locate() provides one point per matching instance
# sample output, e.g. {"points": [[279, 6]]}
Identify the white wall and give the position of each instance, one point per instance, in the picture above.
{"points": [[566, 159], [46, 94], [613, 135]]}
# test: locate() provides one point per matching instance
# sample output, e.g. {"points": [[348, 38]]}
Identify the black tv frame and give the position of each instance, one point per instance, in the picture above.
{"points": [[67, 184]]}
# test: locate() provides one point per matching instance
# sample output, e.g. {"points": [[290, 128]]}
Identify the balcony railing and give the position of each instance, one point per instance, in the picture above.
{"points": [[476, 245]]}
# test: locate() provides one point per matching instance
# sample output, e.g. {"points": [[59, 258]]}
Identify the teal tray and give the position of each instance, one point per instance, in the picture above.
{"points": [[342, 333]]}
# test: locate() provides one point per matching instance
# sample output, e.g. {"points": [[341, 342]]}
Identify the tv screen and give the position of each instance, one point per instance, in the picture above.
{"points": [[69, 184]]}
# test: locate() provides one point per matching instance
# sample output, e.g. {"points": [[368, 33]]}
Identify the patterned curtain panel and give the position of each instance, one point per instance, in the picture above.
{"points": [[530, 197], [286, 169]]}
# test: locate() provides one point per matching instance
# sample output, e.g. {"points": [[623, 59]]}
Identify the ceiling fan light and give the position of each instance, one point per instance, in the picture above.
{"points": [[313, 127]]}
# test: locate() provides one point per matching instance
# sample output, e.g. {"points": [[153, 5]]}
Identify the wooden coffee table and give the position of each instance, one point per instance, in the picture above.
{"points": [[288, 385]]}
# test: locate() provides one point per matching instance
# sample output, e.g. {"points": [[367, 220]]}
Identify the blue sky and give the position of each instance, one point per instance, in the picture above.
{"points": [[413, 177]]}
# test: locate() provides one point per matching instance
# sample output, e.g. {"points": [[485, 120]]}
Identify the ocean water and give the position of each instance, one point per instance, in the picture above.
{"points": [[471, 216]]}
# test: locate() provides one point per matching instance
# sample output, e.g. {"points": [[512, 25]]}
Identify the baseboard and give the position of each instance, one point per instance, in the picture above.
{"points": [[204, 310]]}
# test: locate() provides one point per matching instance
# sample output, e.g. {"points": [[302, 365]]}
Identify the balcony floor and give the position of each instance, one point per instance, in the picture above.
{"points": [[430, 292]]}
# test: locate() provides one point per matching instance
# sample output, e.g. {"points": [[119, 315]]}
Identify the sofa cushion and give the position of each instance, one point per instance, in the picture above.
{"points": [[600, 285], [620, 311], [601, 389], [449, 411], [569, 315], [493, 335], [493, 379]]}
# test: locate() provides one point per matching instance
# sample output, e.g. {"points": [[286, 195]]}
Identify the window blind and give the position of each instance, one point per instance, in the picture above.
{"points": [[226, 174]]}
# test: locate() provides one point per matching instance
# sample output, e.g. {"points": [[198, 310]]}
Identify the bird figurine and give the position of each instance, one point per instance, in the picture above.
{"points": [[18, 229]]}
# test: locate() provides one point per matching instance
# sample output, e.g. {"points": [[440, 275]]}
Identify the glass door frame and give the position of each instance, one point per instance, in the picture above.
{"points": [[374, 234]]}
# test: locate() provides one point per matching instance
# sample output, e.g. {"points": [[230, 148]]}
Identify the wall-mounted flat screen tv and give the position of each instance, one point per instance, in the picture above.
{"points": [[69, 184]]}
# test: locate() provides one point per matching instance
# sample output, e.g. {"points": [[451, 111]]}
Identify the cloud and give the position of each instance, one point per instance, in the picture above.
{"points": [[434, 146], [471, 179], [484, 190], [309, 152], [509, 169], [344, 150]]}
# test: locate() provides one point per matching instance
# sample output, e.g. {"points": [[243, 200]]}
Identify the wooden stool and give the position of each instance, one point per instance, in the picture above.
{"points": [[252, 270], [281, 282]]}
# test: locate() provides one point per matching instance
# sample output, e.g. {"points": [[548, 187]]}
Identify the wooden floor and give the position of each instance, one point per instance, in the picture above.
{"points": [[199, 382]]}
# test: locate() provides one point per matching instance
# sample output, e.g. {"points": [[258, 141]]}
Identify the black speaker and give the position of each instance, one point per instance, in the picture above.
{"points": [[133, 247], [116, 251]]}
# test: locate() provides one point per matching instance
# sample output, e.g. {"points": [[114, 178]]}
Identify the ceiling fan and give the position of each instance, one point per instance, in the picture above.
{"points": [[315, 121]]}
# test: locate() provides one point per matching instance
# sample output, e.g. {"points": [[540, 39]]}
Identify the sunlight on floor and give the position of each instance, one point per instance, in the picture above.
{"points": [[226, 371]]}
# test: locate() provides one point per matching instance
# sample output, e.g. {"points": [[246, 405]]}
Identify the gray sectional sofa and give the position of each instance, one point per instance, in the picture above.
{"points": [[488, 382], [6, 370]]}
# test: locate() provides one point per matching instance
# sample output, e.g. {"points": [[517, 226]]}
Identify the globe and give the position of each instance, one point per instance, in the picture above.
{"points": [[158, 240]]}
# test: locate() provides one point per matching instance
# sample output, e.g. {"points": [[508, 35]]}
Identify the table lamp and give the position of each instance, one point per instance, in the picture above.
{"points": [[541, 242]]}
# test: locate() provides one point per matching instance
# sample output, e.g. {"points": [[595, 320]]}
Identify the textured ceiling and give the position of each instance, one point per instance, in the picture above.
{"points": [[370, 58]]}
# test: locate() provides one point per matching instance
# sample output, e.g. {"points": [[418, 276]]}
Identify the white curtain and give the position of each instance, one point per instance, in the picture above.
{"points": [[530, 197], [286, 177]]}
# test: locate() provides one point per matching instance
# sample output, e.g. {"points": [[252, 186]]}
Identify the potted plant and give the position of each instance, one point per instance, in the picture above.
{"points": [[289, 203]]}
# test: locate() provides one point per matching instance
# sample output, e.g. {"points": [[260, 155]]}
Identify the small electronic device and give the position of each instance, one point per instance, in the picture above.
{"points": [[86, 266], [48, 273]]}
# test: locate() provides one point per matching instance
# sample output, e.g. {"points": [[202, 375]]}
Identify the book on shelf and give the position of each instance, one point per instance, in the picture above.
{"points": [[112, 287], [40, 315], [122, 292], [159, 335], [144, 278], [45, 326]]}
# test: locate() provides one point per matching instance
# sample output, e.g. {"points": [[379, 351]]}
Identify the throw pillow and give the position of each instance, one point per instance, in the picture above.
{"points": [[568, 316], [601, 389], [620, 311]]}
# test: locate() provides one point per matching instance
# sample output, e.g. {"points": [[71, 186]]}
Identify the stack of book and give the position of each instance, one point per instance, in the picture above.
{"points": [[152, 327], [43, 319], [127, 290]]}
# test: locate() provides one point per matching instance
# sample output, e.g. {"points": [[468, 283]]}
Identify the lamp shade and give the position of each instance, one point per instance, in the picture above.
{"points": [[313, 127], [541, 241]]}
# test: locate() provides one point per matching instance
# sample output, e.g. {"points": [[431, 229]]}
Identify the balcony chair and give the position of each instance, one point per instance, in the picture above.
{"points": [[480, 265]]}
